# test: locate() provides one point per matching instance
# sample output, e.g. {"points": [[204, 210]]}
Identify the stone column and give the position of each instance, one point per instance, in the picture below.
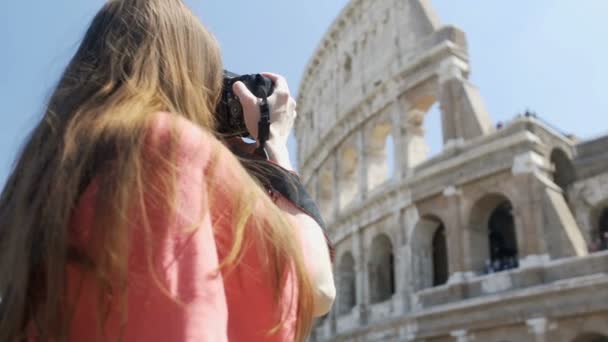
{"points": [[411, 147], [455, 235], [463, 113], [325, 189], [410, 219], [361, 272], [396, 115], [538, 326], [333, 322], [312, 186], [550, 232], [400, 263], [336, 184], [416, 149], [460, 336], [362, 164]]}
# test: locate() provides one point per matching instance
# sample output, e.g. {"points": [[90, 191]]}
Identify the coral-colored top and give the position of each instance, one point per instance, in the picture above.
{"points": [[237, 306]]}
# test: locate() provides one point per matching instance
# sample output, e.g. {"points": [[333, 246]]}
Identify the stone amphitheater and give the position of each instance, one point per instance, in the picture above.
{"points": [[501, 237]]}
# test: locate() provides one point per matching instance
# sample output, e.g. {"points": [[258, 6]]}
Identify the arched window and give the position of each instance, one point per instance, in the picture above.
{"points": [[429, 262], [502, 238], [347, 294], [381, 269], [493, 235], [603, 230], [591, 337], [440, 257]]}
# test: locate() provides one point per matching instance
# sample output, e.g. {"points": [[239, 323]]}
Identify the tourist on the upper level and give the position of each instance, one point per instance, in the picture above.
{"points": [[604, 241], [126, 218]]}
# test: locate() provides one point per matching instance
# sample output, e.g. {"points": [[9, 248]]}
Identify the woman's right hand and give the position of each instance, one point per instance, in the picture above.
{"points": [[282, 116]]}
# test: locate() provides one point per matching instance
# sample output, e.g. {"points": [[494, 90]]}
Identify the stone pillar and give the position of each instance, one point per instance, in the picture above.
{"points": [[454, 230], [396, 115], [410, 144], [411, 276], [361, 272], [463, 113], [551, 232], [326, 189], [336, 185], [312, 186], [333, 322], [362, 164], [416, 149], [538, 327], [400, 263], [460, 336]]}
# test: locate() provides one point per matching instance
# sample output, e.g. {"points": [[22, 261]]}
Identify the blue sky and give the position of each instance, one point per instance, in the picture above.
{"points": [[546, 55]]}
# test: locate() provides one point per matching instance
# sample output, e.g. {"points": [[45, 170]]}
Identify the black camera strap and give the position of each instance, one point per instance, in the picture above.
{"points": [[263, 126]]}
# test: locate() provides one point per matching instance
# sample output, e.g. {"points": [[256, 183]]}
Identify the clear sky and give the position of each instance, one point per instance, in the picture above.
{"points": [[546, 55]]}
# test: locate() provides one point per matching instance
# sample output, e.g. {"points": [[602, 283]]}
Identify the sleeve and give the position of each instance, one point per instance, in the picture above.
{"points": [[185, 300]]}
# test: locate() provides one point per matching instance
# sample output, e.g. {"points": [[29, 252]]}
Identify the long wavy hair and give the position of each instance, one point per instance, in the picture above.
{"points": [[137, 58]]}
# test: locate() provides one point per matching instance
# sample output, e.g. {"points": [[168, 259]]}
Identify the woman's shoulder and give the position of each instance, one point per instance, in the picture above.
{"points": [[172, 133], [192, 148]]}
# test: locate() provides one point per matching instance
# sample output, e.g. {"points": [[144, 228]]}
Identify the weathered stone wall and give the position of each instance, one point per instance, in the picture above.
{"points": [[370, 83]]}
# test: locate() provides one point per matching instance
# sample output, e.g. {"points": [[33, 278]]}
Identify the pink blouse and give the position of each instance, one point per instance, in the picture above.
{"points": [[205, 305]]}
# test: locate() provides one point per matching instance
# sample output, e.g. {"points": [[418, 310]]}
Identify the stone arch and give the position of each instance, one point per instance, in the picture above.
{"points": [[493, 234], [382, 282], [591, 337], [563, 174], [377, 153], [429, 253], [348, 166], [346, 284]]}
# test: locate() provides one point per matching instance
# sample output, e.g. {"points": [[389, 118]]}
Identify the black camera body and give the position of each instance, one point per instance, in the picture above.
{"points": [[229, 111]]}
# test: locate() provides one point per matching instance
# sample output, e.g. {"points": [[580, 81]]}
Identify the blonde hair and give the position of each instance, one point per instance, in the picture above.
{"points": [[137, 58]]}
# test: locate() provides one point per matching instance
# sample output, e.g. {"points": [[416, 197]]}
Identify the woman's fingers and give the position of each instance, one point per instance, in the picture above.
{"points": [[245, 96], [251, 110], [282, 108], [280, 83]]}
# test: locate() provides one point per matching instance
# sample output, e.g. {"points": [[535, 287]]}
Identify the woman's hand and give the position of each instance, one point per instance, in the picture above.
{"points": [[282, 117]]}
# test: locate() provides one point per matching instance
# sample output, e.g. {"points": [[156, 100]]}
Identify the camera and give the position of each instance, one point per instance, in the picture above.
{"points": [[229, 111]]}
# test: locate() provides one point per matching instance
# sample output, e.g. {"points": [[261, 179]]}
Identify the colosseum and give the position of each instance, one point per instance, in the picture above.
{"points": [[500, 237]]}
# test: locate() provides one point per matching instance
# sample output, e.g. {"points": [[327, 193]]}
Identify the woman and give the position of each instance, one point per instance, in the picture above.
{"points": [[126, 219]]}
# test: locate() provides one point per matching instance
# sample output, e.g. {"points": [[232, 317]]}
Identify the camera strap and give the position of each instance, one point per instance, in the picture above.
{"points": [[263, 127]]}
